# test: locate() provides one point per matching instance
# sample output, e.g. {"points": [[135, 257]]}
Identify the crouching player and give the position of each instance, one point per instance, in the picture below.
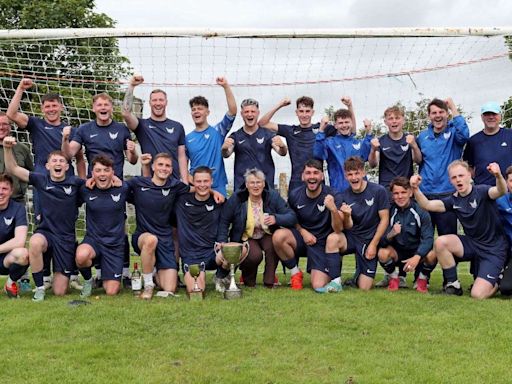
{"points": [[484, 241], [315, 205], [55, 235], [365, 212], [13, 234], [105, 235], [198, 217], [409, 238]]}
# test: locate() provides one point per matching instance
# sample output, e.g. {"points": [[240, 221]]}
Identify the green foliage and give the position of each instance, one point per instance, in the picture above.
{"points": [[507, 113], [75, 68]]}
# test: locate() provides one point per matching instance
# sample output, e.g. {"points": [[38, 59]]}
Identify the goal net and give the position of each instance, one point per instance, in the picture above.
{"points": [[376, 68]]}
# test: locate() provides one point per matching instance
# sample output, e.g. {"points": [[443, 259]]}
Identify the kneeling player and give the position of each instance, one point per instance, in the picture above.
{"points": [[198, 217], [105, 235], [315, 206], [55, 235], [13, 234], [484, 241], [409, 238], [365, 219]]}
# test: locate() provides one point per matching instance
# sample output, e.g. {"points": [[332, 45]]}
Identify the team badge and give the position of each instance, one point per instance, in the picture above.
{"points": [[170, 130], [209, 208], [447, 135], [8, 221], [404, 147], [473, 204], [260, 140], [321, 208], [68, 190], [116, 197], [113, 136], [165, 192], [369, 202], [357, 146]]}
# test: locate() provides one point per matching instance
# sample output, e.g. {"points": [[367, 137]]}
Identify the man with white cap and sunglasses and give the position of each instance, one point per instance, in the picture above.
{"points": [[491, 144]]}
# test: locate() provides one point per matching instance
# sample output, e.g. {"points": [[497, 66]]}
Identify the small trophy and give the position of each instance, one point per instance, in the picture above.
{"points": [[195, 270], [234, 254]]}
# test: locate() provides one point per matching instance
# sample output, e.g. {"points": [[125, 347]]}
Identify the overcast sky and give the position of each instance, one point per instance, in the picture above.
{"points": [[307, 13], [182, 61]]}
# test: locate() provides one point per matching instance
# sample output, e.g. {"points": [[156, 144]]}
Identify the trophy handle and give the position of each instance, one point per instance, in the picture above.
{"points": [[245, 245]]}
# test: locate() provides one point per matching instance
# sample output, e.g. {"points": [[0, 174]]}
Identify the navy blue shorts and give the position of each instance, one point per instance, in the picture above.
{"points": [[403, 253], [164, 254], [488, 263], [109, 258], [317, 259], [61, 251], [209, 261], [363, 265], [3, 269]]}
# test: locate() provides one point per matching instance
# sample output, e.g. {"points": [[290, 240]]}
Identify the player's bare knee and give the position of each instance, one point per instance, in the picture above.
{"points": [[150, 243], [112, 290], [279, 237], [384, 255], [20, 256]]}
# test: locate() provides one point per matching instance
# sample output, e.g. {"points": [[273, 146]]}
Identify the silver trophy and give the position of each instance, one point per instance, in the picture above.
{"points": [[233, 254]]}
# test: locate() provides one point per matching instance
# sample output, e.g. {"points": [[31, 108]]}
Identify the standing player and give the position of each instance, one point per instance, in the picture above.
{"points": [[492, 144], [484, 240], [204, 143], [105, 234], [394, 154], [315, 206], [55, 235], [104, 136], [299, 138], [252, 146], [13, 234], [198, 217], [441, 143], [365, 219], [157, 133], [409, 238], [335, 150]]}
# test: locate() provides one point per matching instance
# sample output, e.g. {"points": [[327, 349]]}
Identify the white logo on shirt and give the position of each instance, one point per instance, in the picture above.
{"points": [[447, 135], [338, 146], [369, 202], [8, 221], [350, 205], [207, 136], [321, 208], [115, 197], [473, 204], [357, 146], [301, 206], [48, 187], [456, 207], [209, 208], [191, 140], [94, 135], [151, 126], [113, 136], [241, 141], [385, 148], [369, 271], [93, 198], [509, 209], [68, 190], [296, 132], [165, 192], [504, 144], [170, 130], [404, 147], [45, 127], [117, 275], [144, 189], [260, 140], [187, 204]]}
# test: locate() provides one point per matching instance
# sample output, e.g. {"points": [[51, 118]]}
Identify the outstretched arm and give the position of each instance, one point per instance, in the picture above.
{"points": [[183, 164], [129, 118], [13, 112], [70, 149], [230, 98], [501, 185], [11, 167], [347, 101], [265, 120], [131, 152], [426, 204]]}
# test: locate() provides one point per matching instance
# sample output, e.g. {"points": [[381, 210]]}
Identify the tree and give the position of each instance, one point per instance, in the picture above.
{"points": [[75, 68]]}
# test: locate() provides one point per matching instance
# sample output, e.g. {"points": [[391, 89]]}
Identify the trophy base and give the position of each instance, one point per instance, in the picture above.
{"points": [[230, 294], [196, 295]]}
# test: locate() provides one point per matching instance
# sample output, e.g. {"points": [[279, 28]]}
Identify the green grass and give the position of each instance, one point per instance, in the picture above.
{"points": [[269, 336]]}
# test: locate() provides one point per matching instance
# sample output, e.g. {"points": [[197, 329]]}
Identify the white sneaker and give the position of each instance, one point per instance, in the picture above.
{"points": [[75, 284]]}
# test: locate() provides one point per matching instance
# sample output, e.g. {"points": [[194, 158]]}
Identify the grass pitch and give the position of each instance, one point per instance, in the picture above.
{"points": [[269, 336]]}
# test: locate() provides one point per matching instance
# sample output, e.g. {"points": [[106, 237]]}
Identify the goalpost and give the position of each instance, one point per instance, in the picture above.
{"points": [[375, 67]]}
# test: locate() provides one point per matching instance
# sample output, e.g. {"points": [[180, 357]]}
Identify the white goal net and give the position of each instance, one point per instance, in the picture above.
{"points": [[376, 68]]}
